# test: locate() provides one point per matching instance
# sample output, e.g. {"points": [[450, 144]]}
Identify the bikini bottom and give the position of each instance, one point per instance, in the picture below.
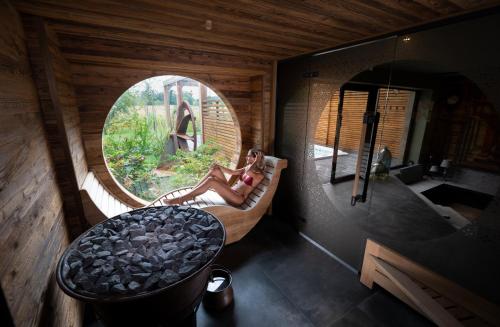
{"points": [[239, 194]]}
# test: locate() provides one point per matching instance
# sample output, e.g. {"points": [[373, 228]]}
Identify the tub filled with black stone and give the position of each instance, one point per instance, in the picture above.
{"points": [[146, 267]]}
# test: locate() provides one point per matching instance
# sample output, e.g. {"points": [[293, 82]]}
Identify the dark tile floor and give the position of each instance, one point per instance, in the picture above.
{"points": [[280, 279], [391, 211], [346, 165]]}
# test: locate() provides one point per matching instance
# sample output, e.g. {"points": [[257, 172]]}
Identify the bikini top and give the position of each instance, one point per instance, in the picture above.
{"points": [[247, 179]]}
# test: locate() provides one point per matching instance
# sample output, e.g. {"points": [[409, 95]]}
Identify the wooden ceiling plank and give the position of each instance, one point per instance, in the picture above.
{"points": [[194, 22], [55, 12], [414, 11], [328, 11], [444, 7], [467, 4], [245, 22], [181, 24], [365, 10], [70, 29], [256, 21], [475, 4], [303, 20], [261, 29]]}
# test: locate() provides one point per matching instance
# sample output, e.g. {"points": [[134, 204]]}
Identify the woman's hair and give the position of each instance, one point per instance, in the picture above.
{"points": [[260, 164]]}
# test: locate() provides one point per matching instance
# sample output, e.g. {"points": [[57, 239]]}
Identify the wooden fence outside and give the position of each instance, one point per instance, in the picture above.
{"points": [[219, 128]]}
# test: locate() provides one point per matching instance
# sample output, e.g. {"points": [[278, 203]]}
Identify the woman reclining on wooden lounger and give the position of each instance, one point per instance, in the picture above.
{"points": [[249, 177]]}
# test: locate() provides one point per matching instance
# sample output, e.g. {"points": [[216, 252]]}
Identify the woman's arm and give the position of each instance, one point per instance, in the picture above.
{"points": [[229, 170]]}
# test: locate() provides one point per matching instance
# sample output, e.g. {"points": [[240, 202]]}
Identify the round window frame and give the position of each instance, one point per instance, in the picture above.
{"points": [[132, 199]]}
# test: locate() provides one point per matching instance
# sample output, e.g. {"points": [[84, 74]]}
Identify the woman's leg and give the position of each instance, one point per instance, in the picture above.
{"points": [[218, 186], [213, 172]]}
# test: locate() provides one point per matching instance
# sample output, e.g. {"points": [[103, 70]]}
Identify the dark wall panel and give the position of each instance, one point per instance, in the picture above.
{"points": [[392, 214]]}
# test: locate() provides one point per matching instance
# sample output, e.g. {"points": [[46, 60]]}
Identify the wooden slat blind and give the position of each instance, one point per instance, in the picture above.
{"points": [[392, 120], [354, 108]]}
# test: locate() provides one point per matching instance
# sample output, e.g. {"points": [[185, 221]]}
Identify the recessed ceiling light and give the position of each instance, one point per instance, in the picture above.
{"points": [[208, 24]]}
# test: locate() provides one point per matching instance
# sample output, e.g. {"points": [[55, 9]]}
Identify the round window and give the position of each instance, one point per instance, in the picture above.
{"points": [[164, 132]]}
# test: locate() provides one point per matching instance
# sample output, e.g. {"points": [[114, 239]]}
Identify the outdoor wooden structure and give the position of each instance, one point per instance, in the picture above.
{"points": [[238, 221], [218, 120], [64, 63], [442, 301]]}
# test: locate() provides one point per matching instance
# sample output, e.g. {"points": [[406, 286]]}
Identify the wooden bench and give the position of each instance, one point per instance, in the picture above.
{"points": [[435, 297], [98, 203], [238, 221]]}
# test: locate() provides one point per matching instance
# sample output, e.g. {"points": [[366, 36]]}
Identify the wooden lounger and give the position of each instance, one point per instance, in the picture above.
{"points": [[238, 221], [98, 203]]}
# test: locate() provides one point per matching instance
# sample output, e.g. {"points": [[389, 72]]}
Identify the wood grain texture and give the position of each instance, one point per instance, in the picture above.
{"points": [[112, 45], [221, 128], [465, 306], [61, 118], [267, 29], [33, 229], [98, 85], [103, 69], [393, 126], [418, 296], [238, 221], [257, 106], [99, 203]]}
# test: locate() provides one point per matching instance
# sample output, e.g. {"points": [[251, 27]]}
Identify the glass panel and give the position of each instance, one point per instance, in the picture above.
{"points": [[453, 74], [395, 107], [291, 117], [449, 78], [353, 109], [334, 70]]}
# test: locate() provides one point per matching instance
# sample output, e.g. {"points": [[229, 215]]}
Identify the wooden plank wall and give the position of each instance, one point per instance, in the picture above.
{"points": [[103, 69], [256, 86], [33, 231], [399, 106], [61, 117]]}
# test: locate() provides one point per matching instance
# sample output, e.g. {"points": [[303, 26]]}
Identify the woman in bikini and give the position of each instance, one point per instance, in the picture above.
{"points": [[249, 177]]}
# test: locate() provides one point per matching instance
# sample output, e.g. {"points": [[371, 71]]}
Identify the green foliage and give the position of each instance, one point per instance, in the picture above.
{"points": [[148, 95], [172, 99], [186, 95], [190, 167], [132, 149], [134, 140], [126, 102]]}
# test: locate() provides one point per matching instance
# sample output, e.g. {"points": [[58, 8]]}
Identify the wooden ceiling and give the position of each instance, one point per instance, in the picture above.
{"points": [[263, 29]]}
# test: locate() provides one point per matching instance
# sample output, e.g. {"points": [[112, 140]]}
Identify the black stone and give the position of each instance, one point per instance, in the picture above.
{"points": [[143, 251]]}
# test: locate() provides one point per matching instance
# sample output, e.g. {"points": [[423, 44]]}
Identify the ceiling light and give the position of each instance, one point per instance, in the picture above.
{"points": [[208, 24]]}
